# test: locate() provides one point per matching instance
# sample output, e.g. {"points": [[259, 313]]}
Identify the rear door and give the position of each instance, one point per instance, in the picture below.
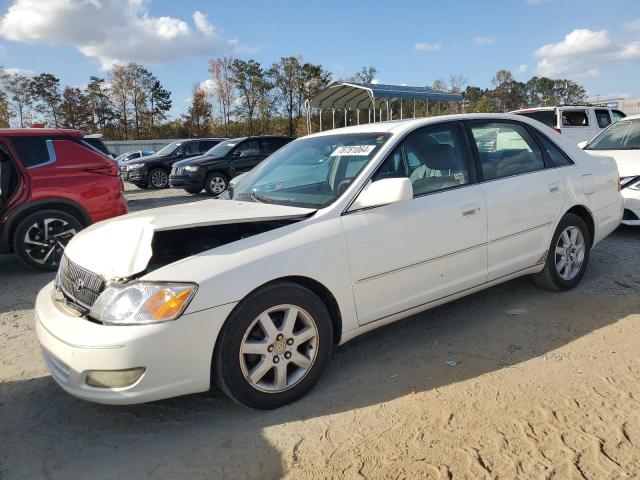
{"points": [[603, 119], [577, 124], [524, 195]]}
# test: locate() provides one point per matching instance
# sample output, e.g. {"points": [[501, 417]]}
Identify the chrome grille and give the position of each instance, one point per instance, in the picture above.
{"points": [[79, 285], [178, 170]]}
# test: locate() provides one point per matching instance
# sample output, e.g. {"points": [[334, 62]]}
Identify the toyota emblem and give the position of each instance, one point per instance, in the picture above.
{"points": [[78, 284]]}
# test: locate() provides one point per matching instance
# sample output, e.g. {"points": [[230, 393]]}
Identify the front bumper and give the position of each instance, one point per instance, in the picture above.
{"points": [[176, 355], [186, 182], [135, 175], [631, 207]]}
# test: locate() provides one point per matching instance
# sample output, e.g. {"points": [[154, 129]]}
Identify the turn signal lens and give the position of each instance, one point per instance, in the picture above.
{"points": [[165, 305]]}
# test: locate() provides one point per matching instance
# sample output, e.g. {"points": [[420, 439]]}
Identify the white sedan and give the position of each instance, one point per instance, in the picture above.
{"points": [[334, 235], [622, 142]]}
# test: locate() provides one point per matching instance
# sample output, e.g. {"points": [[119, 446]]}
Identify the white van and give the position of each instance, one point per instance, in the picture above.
{"points": [[577, 122]]}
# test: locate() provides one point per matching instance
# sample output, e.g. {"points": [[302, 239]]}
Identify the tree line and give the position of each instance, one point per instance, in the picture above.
{"points": [[242, 97]]}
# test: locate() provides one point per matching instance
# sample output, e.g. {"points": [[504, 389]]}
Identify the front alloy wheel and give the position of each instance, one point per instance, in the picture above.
{"points": [[279, 348], [215, 184], [158, 178], [274, 346]]}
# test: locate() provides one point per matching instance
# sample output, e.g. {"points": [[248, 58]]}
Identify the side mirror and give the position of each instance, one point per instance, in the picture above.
{"points": [[384, 192], [236, 154], [582, 144]]}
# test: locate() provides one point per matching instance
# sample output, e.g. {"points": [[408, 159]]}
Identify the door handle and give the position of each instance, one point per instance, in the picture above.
{"points": [[470, 209], [554, 187]]}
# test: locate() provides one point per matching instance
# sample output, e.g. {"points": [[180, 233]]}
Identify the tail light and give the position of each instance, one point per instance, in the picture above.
{"points": [[557, 129]]}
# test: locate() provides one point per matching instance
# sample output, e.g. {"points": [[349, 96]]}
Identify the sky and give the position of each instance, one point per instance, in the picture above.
{"points": [[411, 42]]}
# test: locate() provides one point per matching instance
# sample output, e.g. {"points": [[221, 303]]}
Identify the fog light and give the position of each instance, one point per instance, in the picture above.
{"points": [[114, 378]]}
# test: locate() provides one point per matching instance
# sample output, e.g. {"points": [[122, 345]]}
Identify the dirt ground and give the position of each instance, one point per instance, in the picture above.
{"points": [[546, 385]]}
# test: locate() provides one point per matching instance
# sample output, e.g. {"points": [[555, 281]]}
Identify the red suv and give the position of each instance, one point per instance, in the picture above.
{"points": [[52, 184]]}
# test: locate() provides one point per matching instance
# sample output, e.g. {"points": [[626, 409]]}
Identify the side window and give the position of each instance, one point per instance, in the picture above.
{"points": [[206, 145], [268, 146], [33, 151], [191, 148], [557, 156], [575, 118], [435, 160], [512, 151], [602, 116], [134, 155], [617, 115], [247, 149]]}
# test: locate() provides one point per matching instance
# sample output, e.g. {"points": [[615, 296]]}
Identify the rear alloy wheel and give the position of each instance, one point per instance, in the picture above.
{"points": [[158, 178], [39, 240], [274, 346], [215, 184], [568, 255]]}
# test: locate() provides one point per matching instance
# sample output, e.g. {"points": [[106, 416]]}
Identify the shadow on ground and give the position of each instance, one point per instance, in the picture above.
{"points": [[48, 434]]}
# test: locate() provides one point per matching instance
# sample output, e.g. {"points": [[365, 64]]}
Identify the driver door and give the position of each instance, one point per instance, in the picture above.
{"points": [[245, 156], [408, 254]]}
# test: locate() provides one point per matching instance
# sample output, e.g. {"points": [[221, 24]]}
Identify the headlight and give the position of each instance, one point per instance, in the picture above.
{"points": [[191, 168], [135, 166], [141, 303]]}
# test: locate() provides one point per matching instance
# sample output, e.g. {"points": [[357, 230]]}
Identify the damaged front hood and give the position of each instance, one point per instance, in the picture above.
{"points": [[122, 247]]}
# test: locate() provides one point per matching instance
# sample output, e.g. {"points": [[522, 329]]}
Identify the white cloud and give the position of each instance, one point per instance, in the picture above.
{"points": [[582, 53], [112, 31], [427, 47], [376, 81], [484, 41], [21, 71], [633, 26], [523, 68]]}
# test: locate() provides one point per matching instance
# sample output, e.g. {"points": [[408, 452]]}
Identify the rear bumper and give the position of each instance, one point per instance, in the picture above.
{"points": [[176, 355]]}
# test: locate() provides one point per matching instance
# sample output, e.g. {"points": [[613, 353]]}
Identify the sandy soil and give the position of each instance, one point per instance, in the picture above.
{"points": [[546, 386]]}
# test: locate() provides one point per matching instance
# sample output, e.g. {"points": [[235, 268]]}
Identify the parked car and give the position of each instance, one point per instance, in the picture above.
{"points": [[153, 171], [121, 159], [333, 235], [622, 142], [213, 170], [95, 140], [52, 185], [576, 122]]}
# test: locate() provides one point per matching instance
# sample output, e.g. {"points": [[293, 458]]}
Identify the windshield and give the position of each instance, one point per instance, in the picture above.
{"points": [[310, 172], [622, 135], [221, 149], [168, 149]]}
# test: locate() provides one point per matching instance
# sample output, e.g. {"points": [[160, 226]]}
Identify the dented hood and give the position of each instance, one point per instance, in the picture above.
{"points": [[121, 247]]}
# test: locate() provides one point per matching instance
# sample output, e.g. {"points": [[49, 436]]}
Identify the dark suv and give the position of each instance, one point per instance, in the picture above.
{"points": [[154, 171], [213, 170], [52, 184]]}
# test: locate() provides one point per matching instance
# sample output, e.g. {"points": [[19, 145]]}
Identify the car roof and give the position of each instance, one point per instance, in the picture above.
{"points": [[38, 132], [404, 126]]}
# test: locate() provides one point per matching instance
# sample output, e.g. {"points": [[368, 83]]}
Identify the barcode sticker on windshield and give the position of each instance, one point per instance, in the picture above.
{"points": [[359, 150]]}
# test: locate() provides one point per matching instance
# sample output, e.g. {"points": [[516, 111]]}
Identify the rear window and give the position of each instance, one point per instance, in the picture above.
{"points": [[575, 118], [98, 145], [32, 151], [602, 116], [548, 117], [617, 115]]}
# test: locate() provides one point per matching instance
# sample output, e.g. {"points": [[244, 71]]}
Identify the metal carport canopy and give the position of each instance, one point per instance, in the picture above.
{"points": [[353, 95]]}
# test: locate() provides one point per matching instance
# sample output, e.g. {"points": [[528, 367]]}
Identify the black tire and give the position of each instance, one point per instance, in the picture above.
{"points": [[216, 183], [193, 191], [46, 227], [158, 178], [227, 370], [549, 278]]}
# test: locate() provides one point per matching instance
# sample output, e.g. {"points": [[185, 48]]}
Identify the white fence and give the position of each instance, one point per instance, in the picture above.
{"points": [[118, 147]]}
